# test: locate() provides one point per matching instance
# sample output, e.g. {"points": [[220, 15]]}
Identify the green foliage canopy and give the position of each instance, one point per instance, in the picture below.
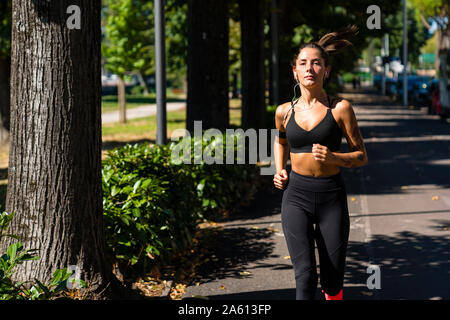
{"points": [[5, 28]]}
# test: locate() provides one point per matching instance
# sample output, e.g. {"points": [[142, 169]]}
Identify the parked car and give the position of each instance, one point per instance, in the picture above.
{"points": [[391, 87], [418, 89], [421, 91], [390, 83]]}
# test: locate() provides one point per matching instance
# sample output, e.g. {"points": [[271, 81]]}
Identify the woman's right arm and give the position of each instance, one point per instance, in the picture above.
{"points": [[281, 150]]}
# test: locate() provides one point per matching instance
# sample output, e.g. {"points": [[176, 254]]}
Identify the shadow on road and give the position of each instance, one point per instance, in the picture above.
{"points": [[406, 147], [231, 250], [412, 266]]}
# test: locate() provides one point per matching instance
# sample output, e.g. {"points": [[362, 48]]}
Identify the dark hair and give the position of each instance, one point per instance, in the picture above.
{"points": [[329, 44]]}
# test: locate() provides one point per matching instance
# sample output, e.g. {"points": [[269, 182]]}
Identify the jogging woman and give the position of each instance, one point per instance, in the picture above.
{"points": [[314, 203]]}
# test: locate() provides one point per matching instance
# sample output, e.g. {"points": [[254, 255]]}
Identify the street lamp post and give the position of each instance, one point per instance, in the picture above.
{"points": [[160, 58], [274, 38], [405, 55]]}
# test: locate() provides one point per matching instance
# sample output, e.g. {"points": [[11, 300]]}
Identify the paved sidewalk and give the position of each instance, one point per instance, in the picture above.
{"points": [[140, 112], [399, 213]]}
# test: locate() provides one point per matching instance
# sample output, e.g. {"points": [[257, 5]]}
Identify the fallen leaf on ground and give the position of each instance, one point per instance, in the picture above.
{"points": [[435, 198]]}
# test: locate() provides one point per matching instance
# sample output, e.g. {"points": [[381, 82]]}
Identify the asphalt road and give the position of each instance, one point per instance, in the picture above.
{"points": [[400, 219]]}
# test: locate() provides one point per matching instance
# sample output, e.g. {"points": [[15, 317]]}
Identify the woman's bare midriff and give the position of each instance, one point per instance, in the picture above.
{"points": [[305, 164]]}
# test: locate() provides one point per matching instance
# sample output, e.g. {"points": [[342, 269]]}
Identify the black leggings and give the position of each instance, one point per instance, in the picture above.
{"points": [[322, 201]]}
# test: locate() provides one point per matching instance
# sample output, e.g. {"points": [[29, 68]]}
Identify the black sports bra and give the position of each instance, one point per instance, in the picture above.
{"points": [[327, 133]]}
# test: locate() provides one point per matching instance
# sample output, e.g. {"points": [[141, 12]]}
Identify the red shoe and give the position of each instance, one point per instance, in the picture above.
{"points": [[339, 296]]}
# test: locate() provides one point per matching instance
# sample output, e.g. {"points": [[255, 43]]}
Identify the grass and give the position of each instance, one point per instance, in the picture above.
{"points": [[145, 128], [142, 129]]}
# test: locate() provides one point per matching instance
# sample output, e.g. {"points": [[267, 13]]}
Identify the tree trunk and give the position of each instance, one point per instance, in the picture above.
{"points": [[207, 58], [286, 30], [438, 48], [121, 95], [5, 72], [54, 175], [143, 83], [253, 71], [234, 86]]}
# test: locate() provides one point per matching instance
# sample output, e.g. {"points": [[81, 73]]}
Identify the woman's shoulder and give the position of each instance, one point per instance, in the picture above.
{"points": [[282, 109], [339, 104], [281, 114]]}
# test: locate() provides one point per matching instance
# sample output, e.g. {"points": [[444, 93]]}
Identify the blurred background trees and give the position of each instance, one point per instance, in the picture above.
{"points": [[234, 61], [5, 67]]}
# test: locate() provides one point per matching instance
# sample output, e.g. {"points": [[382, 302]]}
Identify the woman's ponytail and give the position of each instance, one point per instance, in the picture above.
{"points": [[330, 43], [335, 41]]}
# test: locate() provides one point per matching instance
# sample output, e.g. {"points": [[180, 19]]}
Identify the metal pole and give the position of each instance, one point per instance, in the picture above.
{"points": [[405, 54], [386, 46], [386, 51], [274, 38], [383, 74], [160, 58]]}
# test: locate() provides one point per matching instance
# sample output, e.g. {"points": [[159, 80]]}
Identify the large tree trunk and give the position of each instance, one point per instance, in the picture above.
{"points": [[285, 31], [5, 71], [253, 71], [54, 176], [207, 58]]}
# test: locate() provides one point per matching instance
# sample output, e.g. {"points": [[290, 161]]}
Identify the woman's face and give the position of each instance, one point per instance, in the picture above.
{"points": [[310, 68]]}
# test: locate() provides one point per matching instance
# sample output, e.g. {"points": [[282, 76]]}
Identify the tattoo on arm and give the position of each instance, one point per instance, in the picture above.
{"points": [[358, 143]]}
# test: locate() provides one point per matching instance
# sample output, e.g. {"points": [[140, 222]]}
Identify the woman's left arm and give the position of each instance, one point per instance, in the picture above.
{"points": [[357, 157]]}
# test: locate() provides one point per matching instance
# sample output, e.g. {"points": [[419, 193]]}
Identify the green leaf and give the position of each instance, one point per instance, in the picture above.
{"points": [[57, 276], [12, 250], [136, 186], [44, 288], [136, 212], [114, 191], [35, 293]]}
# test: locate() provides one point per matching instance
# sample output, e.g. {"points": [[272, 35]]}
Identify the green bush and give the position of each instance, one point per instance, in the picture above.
{"points": [[15, 255], [152, 206]]}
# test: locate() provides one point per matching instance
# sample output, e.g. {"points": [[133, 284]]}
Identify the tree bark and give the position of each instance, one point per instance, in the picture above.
{"points": [[54, 174], [286, 30], [438, 48], [121, 95], [207, 58], [143, 83], [5, 72], [253, 71]]}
